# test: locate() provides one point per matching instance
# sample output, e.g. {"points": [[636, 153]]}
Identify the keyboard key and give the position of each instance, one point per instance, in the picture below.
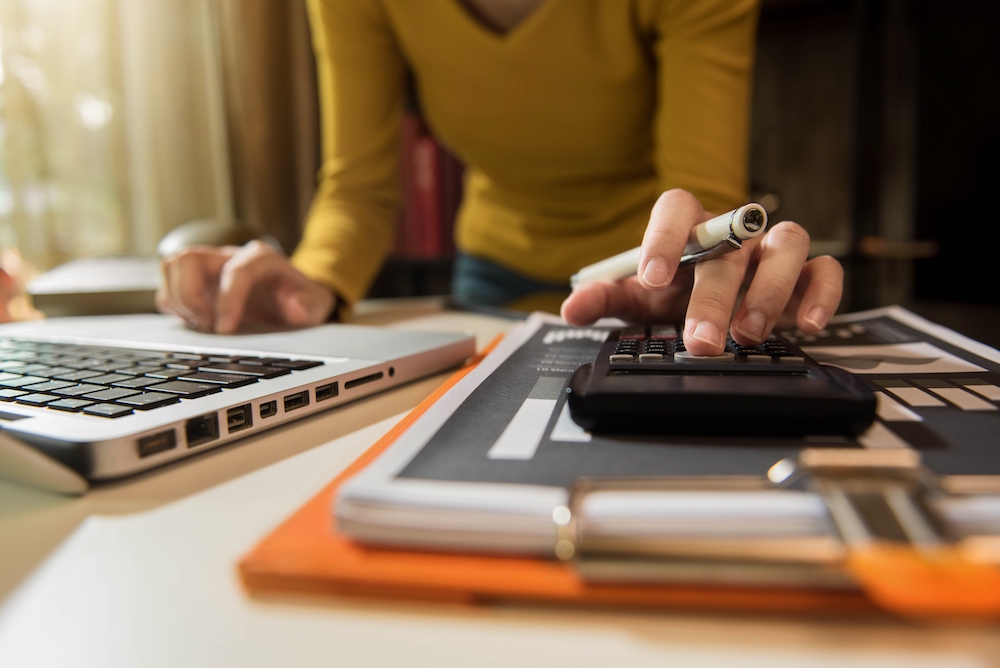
{"points": [[168, 374], [34, 369], [140, 370], [149, 400], [71, 405], [111, 395], [298, 365], [184, 364], [185, 389], [187, 356], [10, 395], [245, 370], [77, 390], [109, 366], [77, 376], [225, 359], [108, 379], [108, 410], [138, 382], [50, 386], [222, 379], [36, 399], [22, 381], [260, 361]]}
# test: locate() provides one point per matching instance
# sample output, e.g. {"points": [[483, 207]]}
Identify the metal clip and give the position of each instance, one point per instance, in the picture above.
{"points": [[871, 495]]}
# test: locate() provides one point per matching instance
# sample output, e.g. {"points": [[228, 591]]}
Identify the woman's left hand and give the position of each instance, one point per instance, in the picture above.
{"points": [[778, 283]]}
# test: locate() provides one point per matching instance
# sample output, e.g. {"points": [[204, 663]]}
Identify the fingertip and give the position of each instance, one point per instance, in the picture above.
{"points": [[655, 274], [703, 338], [814, 319], [584, 305]]}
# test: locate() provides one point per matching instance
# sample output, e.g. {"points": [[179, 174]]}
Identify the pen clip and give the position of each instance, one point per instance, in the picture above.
{"points": [[730, 243]]}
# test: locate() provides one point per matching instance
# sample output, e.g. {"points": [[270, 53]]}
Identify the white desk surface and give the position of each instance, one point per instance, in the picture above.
{"points": [[142, 573]]}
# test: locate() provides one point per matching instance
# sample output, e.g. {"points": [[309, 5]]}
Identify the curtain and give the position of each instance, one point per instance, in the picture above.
{"points": [[122, 119]]}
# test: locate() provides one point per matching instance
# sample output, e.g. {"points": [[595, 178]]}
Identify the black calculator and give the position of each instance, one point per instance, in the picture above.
{"points": [[645, 381]]}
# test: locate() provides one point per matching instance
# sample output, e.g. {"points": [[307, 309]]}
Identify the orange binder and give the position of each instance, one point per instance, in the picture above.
{"points": [[306, 554]]}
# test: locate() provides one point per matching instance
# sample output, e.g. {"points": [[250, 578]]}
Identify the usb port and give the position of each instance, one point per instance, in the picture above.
{"points": [[324, 392], [239, 418], [202, 429], [297, 400], [150, 445], [268, 409]]}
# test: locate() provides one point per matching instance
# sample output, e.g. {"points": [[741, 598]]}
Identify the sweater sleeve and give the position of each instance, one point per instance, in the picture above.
{"points": [[705, 54], [351, 224]]}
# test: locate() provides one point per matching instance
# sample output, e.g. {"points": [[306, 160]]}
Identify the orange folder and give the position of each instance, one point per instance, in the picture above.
{"points": [[307, 554]]}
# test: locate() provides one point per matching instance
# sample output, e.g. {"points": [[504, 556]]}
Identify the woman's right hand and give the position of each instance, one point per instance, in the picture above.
{"points": [[220, 289]]}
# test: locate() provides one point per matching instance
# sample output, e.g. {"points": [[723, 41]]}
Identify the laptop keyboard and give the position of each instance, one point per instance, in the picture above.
{"points": [[114, 382]]}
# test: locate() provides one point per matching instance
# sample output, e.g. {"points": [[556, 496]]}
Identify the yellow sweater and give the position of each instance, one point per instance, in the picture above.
{"points": [[570, 125]]}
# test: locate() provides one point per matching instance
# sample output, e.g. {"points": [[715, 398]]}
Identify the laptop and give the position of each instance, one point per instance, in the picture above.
{"points": [[110, 396]]}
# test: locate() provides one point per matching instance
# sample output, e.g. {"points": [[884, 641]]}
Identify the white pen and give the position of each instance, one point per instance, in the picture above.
{"points": [[709, 239]]}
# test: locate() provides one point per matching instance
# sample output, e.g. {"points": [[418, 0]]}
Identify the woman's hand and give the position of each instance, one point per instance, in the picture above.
{"points": [[780, 284], [220, 289]]}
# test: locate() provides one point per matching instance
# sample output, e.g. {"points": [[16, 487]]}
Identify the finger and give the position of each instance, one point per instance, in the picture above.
{"points": [[186, 291], [716, 286], [824, 280], [627, 300], [306, 304], [781, 254], [673, 216], [253, 264]]}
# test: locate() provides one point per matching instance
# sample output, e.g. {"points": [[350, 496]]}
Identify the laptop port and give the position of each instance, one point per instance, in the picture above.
{"points": [[268, 409], [150, 445], [363, 379], [324, 392], [202, 429], [297, 400], [239, 418]]}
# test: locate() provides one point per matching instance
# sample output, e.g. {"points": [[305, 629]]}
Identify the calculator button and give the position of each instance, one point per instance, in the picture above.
{"points": [[759, 359], [685, 356], [663, 332], [651, 357], [619, 358], [633, 333], [792, 359]]}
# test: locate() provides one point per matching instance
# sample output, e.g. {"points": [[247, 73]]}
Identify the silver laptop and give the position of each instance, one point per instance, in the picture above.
{"points": [[109, 396]]}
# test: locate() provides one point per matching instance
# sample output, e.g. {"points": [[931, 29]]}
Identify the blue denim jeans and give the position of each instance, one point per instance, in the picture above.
{"points": [[479, 282]]}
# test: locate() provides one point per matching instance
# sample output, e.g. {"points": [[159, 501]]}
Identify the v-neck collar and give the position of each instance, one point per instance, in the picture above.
{"points": [[512, 36]]}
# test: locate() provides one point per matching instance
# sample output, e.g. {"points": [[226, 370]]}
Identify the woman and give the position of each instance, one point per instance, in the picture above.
{"points": [[586, 126]]}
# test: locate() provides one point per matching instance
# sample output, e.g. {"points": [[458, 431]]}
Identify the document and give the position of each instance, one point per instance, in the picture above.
{"points": [[487, 465]]}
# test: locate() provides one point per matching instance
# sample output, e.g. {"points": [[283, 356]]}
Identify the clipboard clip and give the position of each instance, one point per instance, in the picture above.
{"points": [[890, 540]]}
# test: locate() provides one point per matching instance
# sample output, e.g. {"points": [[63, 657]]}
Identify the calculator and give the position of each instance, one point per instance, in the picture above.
{"points": [[645, 381]]}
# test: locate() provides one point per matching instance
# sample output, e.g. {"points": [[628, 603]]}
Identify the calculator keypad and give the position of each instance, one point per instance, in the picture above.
{"points": [[662, 345]]}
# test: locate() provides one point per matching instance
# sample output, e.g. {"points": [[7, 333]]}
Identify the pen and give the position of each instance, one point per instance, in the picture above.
{"points": [[709, 239]]}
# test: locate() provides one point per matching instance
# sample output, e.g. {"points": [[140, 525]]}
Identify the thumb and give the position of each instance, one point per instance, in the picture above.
{"points": [[301, 309]]}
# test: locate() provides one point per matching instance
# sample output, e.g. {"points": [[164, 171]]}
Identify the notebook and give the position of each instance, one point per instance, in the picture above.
{"points": [[109, 396]]}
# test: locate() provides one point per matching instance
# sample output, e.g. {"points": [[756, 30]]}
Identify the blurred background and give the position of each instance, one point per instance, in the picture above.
{"points": [[875, 125]]}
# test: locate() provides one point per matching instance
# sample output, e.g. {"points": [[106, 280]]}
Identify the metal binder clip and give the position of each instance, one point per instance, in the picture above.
{"points": [[872, 495], [893, 542]]}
